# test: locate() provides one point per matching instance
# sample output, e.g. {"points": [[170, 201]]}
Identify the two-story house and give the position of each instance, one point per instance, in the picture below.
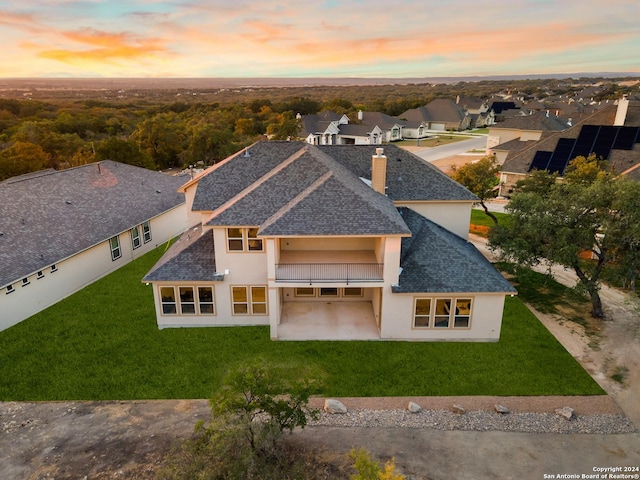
{"points": [[329, 242]]}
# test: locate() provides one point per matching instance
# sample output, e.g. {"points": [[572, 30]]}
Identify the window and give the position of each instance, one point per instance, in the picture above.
{"points": [[54, 268], [352, 292], [462, 318], [146, 232], [135, 237], [25, 281], [249, 300], [328, 292], [305, 292], [442, 313], [422, 312], [168, 300], [235, 240], [10, 289], [40, 275], [258, 300], [254, 243], [438, 313], [205, 301], [114, 244], [187, 301], [240, 238]]}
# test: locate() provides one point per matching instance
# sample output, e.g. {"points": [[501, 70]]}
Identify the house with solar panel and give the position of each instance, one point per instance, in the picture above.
{"points": [[62, 230], [611, 132], [339, 242]]}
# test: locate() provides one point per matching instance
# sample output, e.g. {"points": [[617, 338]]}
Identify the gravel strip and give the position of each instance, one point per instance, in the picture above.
{"points": [[478, 421]]}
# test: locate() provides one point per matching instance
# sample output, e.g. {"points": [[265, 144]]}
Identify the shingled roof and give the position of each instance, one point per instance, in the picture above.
{"points": [[521, 162], [438, 110], [435, 260], [306, 193], [50, 216], [191, 259], [408, 176], [535, 121]]}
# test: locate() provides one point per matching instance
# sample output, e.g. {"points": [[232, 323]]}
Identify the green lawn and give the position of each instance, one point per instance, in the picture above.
{"points": [[103, 344], [478, 217]]}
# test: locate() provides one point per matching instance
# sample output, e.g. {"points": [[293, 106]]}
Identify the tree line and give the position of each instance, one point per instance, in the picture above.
{"points": [[154, 130]]}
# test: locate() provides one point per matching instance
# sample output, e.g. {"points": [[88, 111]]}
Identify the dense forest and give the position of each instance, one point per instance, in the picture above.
{"points": [[164, 128]]}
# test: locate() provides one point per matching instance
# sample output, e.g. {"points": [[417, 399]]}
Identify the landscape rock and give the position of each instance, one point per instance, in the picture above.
{"points": [[565, 412], [502, 409], [334, 406], [458, 409], [413, 407]]}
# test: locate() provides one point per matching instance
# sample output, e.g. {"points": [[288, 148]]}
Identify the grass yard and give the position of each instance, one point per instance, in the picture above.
{"points": [[103, 344], [478, 217]]}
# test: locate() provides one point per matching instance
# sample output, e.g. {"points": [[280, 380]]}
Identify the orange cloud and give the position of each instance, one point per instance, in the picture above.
{"points": [[108, 47]]}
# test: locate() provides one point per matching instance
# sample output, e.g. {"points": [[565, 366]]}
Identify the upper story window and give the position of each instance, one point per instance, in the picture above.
{"points": [[114, 244], [54, 268], [136, 241], [40, 275], [10, 289], [244, 240], [146, 232], [25, 281]]}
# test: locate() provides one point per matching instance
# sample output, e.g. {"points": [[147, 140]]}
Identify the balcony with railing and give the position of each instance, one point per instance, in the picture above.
{"points": [[328, 267]]}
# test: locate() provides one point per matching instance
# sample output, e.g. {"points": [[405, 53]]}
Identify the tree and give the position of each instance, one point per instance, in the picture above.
{"points": [[572, 218], [480, 178], [249, 414], [21, 158]]}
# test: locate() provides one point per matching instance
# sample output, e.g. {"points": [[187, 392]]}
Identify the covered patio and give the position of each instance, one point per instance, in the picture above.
{"points": [[328, 320]]}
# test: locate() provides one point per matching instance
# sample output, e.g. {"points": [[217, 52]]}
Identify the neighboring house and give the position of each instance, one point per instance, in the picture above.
{"points": [[390, 127], [321, 128], [62, 230], [612, 133], [330, 242], [330, 128], [478, 111], [440, 114], [522, 128]]}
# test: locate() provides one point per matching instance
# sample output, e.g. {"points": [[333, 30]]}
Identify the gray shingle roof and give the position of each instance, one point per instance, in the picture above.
{"points": [[308, 193], [48, 217], [535, 121], [438, 110], [408, 176], [191, 259], [240, 171], [435, 260]]}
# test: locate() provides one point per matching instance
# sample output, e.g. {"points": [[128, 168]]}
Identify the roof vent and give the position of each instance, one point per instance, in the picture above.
{"points": [[246, 153], [68, 202]]}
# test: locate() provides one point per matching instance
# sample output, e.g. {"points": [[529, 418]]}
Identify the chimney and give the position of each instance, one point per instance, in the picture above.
{"points": [[621, 113], [360, 115], [379, 171]]}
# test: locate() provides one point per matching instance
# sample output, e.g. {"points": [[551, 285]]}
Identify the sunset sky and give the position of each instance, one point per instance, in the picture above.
{"points": [[320, 38]]}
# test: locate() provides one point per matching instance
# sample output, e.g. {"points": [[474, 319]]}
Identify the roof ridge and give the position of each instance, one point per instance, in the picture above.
{"points": [[296, 200], [247, 190]]}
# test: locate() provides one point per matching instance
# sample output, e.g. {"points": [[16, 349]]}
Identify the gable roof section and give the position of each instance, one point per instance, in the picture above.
{"points": [[409, 178], [435, 260], [382, 120], [191, 259], [239, 171], [47, 218], [308, 193]]}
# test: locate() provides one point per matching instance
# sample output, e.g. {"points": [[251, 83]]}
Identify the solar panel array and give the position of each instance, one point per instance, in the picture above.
{"points": [[598, 139]]}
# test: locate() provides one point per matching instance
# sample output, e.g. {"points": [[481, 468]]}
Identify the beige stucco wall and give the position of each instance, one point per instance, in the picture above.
{"points": [[82, 269], [328, 243], [454, 216], [397, 318]]}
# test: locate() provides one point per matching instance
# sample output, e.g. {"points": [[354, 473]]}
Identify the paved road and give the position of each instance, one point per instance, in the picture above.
{"points": [[450, 149]]}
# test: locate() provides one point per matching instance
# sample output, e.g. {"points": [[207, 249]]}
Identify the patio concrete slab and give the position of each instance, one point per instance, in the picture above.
{"points": [[328, 320]]}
